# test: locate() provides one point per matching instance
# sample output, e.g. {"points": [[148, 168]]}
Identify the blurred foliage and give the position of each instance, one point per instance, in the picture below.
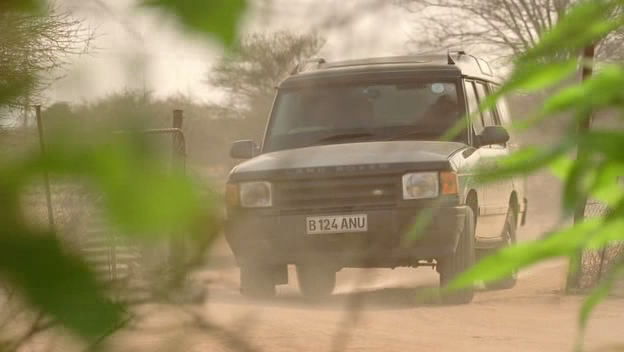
{"points": [[140, 194], [216, 18], [142, 197], [597, 171], [28, 6]]}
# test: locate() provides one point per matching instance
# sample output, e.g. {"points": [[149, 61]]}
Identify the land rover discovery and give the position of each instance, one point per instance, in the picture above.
{"points": [[354, 159]]}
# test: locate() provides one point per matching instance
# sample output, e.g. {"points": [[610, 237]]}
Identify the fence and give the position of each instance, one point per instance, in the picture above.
{"points": [[76, 212], [596, 263]]}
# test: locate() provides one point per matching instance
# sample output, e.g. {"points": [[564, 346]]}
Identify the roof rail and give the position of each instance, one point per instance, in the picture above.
{"points": [[450, 59], [459, 53], [483, 65], [303, 63]]}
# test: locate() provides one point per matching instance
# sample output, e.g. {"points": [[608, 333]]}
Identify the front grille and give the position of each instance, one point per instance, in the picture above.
{"points": [[339, 192]]}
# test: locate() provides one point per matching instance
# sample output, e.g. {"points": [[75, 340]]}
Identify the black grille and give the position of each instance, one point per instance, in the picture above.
{"points": [[340, 192]]}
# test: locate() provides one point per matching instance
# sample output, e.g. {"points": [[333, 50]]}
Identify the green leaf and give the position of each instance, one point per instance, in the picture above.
{"points": [[574, 188], [561, 167], [57, 283], [507, 260], [419, 225], [597, 296], [608, 143], [611, 231], [605, 186], [522, 162], [586, 22], [565, 99], [31, 6], [218, 18], [459, 126], [533, 76], [141, 195]]}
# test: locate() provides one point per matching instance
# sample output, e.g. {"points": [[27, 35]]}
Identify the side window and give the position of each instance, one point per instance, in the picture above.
{"points": [[503, 111], [501, 116], [473, 105], [488, 116]]}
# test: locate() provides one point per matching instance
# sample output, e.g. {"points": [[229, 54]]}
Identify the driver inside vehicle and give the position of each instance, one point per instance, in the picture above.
{"points": [[354, 112], [317, 112], [444, 111]]}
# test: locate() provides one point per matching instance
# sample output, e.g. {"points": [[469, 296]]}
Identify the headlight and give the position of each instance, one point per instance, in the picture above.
{"points": [[421, 185], [256, 194]]}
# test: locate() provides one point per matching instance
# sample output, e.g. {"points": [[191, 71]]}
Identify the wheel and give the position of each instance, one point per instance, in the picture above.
{"points": [[316, 282], [464, 257], [256, 282], [509, 236]]}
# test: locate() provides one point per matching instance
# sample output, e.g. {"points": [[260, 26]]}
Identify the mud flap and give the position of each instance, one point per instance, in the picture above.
{"points": [[524, 213], [280, 274], [459, 229]]}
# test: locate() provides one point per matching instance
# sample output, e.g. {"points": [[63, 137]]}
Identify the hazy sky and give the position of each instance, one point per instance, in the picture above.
{"points": [[135, 49]]}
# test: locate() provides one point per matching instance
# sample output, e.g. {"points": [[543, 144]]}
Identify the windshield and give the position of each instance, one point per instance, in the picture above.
{"points": [[359, 112]]}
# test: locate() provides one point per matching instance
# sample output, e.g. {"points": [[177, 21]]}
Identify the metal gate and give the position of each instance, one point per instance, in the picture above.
{"points": [[118, 262]]}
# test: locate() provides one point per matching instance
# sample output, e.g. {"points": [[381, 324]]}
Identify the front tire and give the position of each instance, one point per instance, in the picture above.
{"points": [[509, 237], [464, 257], [316, 282]]}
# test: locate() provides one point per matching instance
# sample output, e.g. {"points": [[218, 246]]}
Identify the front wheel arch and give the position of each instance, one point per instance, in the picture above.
{"points": [[472, 201], [514, 204]]}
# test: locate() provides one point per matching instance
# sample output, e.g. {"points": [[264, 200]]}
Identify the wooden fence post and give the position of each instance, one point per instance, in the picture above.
{"points": [[575, 269], [177, 242], [46, 179]]}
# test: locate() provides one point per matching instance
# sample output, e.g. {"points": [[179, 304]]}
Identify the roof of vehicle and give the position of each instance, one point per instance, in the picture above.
{"points": [[451, 64]]}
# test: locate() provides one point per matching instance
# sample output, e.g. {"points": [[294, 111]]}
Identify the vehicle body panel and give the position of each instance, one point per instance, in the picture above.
{"points": [[349, 154], [345, 178]]}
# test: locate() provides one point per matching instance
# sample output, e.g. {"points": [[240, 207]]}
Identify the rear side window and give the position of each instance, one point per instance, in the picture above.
{"points": [[473, 105], [488, 116], [503, 112]]}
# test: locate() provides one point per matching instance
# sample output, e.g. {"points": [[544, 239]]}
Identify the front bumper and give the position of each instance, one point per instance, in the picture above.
{"points": [[275, 239]]}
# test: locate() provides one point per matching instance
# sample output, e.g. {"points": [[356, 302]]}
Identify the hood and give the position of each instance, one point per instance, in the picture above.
{"points": [[389, 154]]}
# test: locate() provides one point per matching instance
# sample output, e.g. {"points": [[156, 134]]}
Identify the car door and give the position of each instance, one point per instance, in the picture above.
{"points": [[495, 202], [519, 184], [467, 175]]}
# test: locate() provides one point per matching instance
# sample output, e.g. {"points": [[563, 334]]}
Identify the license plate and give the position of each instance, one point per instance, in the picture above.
{"points": [[336, 224]]}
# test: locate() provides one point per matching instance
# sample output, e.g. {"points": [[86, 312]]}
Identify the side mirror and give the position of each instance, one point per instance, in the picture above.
{"points": [[493, 135], [245, 149]]}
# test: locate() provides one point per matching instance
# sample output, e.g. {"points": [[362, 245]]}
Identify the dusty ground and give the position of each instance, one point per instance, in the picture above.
{"points": [[534, 316]]}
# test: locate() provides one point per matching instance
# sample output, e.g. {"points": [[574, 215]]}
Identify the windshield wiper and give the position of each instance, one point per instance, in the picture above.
{"points": [[345, 136]]}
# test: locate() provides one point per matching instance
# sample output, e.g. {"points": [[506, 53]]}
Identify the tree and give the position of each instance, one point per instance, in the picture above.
{"points": [[259, 62], [34, 46], [55, 283], [506, 27], [597, 170]]}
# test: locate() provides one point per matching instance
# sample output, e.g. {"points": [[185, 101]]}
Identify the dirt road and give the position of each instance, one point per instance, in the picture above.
{"points": [[533, 316]]}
